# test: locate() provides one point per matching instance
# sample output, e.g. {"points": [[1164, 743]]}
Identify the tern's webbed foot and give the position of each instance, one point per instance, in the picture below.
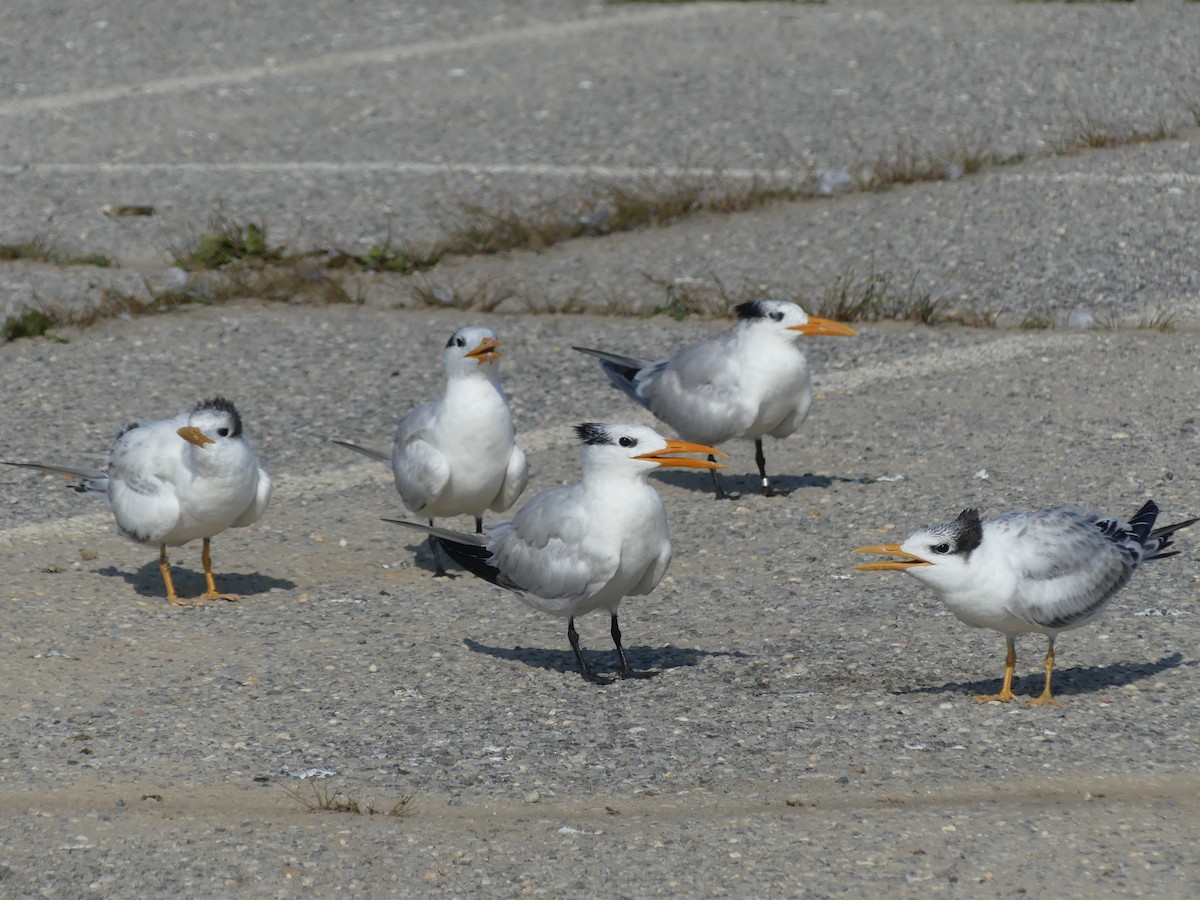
{"points": [[597, 679], [634, 673], [214, 595], [1002, 697], [1044, 700], [726, 495]]}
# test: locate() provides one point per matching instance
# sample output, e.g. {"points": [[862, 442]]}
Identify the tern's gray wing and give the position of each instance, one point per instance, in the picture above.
{"points": [[1069, 566], [258, 506], [516, 476], [545, 555], [421, 469], [144, 466], [698, 392]]}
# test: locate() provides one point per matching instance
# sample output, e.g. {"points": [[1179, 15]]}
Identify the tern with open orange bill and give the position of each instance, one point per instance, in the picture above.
{"points": [[747, 385], [1039, 572], [458, 455], [571, 550], [177, 480]]}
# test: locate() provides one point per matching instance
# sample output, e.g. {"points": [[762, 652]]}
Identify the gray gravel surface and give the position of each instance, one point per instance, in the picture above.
{"points": [[812, 732]]}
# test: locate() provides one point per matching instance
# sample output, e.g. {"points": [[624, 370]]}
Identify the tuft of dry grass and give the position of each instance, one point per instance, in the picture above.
{"points": [[1089, 132], [1036, 320], [225, 242], [26, 323], [873, 296], [708, 298], [325, 798], [484, 297], [287, 284], [910, 162], [397, 257], [1158, 319], [980, 318], [39, 249]]}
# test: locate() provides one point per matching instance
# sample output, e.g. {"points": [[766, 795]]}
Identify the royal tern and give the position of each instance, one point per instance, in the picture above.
{"points": [[1045, 572], [752, 383], [172, 481], [458, 455], [574, 549]]}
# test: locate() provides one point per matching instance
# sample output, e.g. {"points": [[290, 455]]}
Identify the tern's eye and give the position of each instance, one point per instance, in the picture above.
{"points": [[628, 442], [459, 342], [777, 316], [223, 432], [940, 548]]}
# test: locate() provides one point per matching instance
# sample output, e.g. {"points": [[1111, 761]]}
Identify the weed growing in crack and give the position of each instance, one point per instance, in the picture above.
{"points": [[325, 798]]}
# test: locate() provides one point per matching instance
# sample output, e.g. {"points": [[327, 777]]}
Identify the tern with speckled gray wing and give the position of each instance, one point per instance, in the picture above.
{"points": [[177, 480], [1041, 572]]}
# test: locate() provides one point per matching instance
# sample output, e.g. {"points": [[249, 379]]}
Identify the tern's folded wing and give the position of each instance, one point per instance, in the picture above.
{"points": [[1069, 569], [546, 556], [516, 476]]}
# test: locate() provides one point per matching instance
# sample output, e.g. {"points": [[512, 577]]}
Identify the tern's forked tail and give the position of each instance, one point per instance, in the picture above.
{"points": [[621, 370], [1160, 539], [474, 559]]}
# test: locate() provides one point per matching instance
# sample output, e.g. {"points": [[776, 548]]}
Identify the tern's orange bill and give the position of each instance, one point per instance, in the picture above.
{"points": [[194, 435], [816, 325], [661, 457], [486, 351], [907, 561]]}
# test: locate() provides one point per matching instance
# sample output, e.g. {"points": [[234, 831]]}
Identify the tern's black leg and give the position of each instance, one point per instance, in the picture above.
{"points": [[626, 671], [479, 524], [588, 675], [439, 572], [720, 495], [761, 459]]}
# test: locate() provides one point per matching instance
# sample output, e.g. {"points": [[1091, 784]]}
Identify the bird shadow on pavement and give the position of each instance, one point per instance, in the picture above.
{"points": [[600, 661], [423, 559], [1075, 680], [749, 484], [147, 581]]}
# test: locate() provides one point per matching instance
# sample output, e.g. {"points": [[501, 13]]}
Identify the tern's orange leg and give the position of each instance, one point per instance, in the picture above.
{"points": [[1045, 699], [1010, 665], [212, 593], [164, 566]]}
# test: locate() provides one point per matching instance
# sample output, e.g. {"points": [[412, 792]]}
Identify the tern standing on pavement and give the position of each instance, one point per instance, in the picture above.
{"points": [[458, 455], [175, 480], [750, 384], [571, 550], [1029, 572]]}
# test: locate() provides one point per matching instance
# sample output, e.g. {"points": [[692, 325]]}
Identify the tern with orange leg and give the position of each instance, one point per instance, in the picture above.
{"points": [[1039, 572], [177, 480]]}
